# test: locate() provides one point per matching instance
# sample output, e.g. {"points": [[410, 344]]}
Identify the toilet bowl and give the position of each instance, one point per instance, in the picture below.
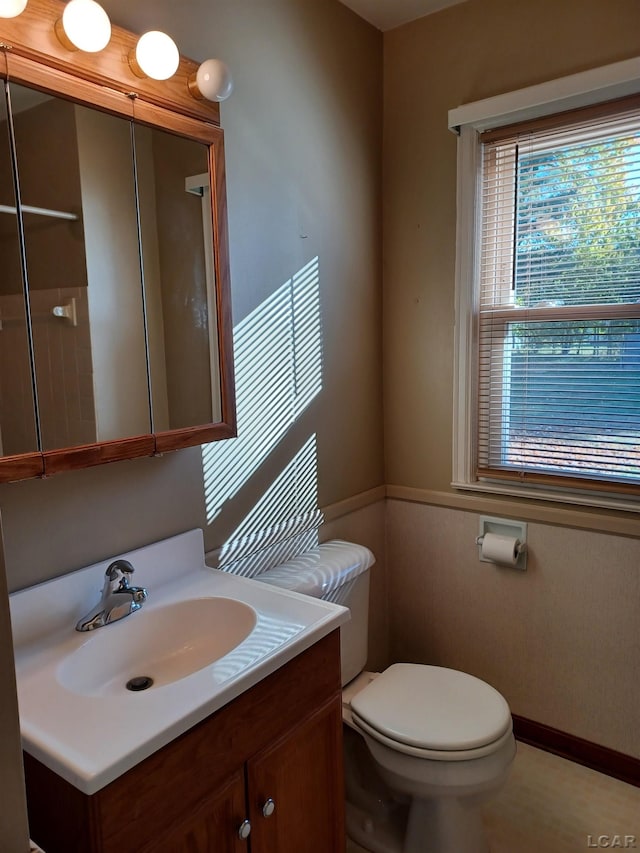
{"points": [[425, 746]]}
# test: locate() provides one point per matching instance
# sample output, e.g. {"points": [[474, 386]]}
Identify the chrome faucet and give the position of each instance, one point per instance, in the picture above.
{"points": [[118, 600]]}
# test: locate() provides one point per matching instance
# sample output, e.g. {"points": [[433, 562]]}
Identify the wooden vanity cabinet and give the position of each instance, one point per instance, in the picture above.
{"points": [[211, 827], [280, 741], [295, 773]]}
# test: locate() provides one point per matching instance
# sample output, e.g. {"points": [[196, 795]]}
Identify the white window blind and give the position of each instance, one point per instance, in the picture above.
{"points": [[558, 314]]}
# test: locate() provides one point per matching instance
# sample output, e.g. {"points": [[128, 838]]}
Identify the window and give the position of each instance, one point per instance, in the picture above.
{"points": [[550, 357]]}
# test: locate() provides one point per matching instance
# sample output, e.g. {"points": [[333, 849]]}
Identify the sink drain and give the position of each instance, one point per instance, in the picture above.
{"points": [[140, 682]]}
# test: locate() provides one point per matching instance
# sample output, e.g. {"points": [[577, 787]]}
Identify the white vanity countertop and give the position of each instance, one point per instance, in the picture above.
{"points": [[90, 737]]}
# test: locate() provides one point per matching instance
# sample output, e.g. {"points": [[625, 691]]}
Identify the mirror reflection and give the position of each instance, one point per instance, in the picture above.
{"points": [[18, 431], [77, 191], [179, 279]]}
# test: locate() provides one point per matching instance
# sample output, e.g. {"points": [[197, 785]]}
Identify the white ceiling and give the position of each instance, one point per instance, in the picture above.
{"points": [[387, 14]]}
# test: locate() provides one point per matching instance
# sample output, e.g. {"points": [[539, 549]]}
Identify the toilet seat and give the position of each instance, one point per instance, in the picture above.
{"points": [[433, 712], [432, 754]]}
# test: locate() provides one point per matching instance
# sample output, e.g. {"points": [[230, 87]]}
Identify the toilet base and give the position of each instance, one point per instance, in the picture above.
{"points": [[444, 825], [382, 818], [376, 833], [376, 818]]}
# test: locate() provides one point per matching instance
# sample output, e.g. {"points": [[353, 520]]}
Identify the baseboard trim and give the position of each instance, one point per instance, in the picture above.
{"points": [[592, 755]]}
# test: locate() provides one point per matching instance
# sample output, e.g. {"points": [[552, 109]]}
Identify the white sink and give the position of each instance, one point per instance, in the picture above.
{"points": [[203, 636], [161, 645]]}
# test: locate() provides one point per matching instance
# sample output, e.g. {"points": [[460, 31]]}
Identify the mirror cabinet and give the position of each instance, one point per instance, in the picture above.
{"points": [[115, 322]]}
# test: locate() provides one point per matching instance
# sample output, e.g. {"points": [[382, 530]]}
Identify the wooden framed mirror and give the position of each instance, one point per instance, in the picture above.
{"points": [[115, 320]]}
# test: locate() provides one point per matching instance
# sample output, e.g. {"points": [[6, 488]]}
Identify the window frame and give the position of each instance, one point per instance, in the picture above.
{"points": [[469, 121]]}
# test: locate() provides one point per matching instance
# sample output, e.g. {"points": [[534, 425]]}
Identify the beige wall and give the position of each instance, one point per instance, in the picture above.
{"points": [[303, 141], [560, 640]]}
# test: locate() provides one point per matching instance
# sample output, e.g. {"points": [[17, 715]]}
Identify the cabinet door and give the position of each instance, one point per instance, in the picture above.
{"points": [[303, 774], [212, 828]]}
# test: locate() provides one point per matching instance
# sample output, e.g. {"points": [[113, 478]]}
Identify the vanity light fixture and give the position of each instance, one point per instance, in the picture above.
{"points": [[212, 81], [12, 8], [155, 56], [84, 25]]}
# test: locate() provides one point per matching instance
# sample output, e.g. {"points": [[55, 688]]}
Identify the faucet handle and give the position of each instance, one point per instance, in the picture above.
{"points": [[122, 566], [119, 570]]}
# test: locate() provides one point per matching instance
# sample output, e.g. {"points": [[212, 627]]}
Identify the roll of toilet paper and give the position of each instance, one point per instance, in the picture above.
{"points": [[502, 550]]}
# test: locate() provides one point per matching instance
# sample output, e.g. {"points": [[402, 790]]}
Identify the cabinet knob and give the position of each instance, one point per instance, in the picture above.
{"points": [[244, 831], [268, 808]]}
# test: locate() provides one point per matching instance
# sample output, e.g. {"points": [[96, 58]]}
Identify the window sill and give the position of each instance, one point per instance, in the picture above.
{"points": [[599, 500]]}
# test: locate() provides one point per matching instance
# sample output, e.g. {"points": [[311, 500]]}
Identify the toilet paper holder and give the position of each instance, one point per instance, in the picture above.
{"points": [[515, 530]]}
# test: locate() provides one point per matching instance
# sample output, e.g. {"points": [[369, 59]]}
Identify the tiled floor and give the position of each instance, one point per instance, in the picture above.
{"points": [[550, 805]]}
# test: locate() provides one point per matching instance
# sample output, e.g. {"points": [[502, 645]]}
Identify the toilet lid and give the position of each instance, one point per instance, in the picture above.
{"points": [[432, 707]]}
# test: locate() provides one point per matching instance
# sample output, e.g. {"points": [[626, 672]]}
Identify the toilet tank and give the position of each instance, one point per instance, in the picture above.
{"points": [[335, 571]]}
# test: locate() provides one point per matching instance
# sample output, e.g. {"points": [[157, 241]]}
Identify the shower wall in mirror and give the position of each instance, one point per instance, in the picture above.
{"points": [[82, 270], [18, 428]]}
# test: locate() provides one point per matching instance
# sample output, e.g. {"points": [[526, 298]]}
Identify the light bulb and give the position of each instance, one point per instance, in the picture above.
{"points": [[86, 26], [156, 56], [12, 8], [212, 81]]}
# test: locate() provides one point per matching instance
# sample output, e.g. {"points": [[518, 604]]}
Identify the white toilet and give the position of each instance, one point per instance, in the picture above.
{"points": [[425, 746]]}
